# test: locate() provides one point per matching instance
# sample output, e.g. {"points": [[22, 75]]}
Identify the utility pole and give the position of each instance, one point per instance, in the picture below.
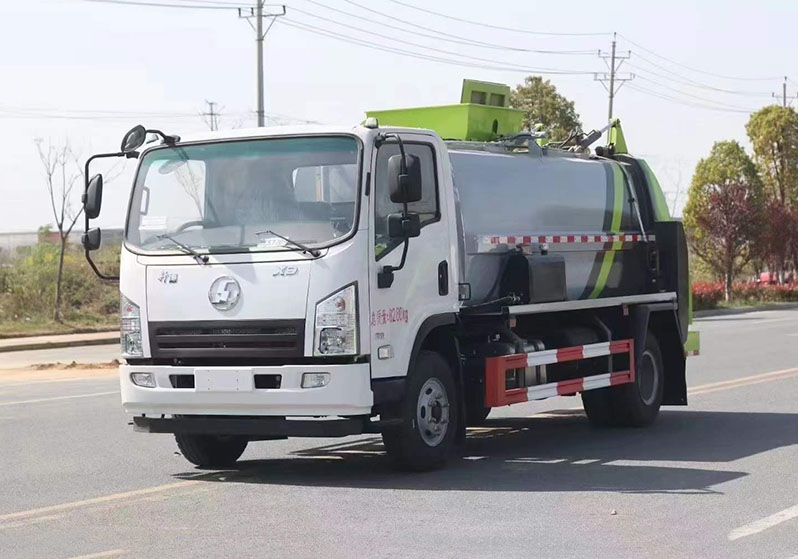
{"points": [[258, 13], [614, 79], [212, 120], [783, 93]]}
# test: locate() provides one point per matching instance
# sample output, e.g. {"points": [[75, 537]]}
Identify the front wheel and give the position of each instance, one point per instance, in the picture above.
{"points": [[426, 438], [211, 451]]}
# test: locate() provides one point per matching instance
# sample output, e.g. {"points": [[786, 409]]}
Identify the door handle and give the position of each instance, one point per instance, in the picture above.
{"points": [[443, 278]]}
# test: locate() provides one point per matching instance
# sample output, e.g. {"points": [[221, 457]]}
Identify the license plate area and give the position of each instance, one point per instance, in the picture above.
{"points": [[223, 380]]}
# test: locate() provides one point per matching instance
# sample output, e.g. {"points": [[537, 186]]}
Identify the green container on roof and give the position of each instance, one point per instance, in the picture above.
{"points": [[483, 114]]}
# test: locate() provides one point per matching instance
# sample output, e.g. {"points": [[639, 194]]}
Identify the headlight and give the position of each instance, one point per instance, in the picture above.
{"points": [[130, 331], [336, 324]]}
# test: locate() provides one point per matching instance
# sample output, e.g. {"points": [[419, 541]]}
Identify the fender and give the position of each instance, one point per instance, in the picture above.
{"points": [[663, 320], [392, 390]]}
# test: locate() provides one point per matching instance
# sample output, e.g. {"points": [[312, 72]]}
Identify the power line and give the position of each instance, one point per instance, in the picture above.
{"points": [[687, 103], [692, 69], [684, 80], [216, 3], [421, 56], [408, 43], [438, 35], [491, 26], [195, 6], [691, 95]]}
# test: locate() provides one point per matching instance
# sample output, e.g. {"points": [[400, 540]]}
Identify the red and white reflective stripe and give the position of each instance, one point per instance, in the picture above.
{"points": [[691, 353], [570, 387], [561, 239], [496, 393], [551, 356]]}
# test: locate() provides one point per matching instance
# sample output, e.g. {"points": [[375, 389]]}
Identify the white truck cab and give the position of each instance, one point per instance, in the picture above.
{"points": [[257, 322]]}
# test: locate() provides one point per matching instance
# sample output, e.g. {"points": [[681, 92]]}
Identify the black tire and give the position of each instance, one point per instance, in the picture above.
{"points": [[211, 451], [635, 404], [422, 442]]}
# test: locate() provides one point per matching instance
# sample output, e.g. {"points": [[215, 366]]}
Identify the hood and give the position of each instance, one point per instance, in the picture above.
{"points": [[246, 291]]}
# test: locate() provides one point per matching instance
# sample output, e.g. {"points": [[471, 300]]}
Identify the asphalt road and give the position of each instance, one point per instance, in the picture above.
{"points": [[715, 479]]}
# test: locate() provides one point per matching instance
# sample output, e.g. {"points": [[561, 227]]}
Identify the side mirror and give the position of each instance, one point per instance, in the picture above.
{"points": [[91, 239], [93, 199], [401, 227], [134, 139], [404, 188]]}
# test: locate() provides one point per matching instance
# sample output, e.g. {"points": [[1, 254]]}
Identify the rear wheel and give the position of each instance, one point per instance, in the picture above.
{"points": [[635, 404], [211, 451], [425, 439]]}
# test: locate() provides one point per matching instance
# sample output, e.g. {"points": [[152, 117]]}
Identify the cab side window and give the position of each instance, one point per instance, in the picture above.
{"points": [[427, 208]]}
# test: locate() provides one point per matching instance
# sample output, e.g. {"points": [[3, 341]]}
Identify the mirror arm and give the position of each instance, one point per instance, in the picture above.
{"points": [[86, 217], [167, 139], [385, 277], [382, 137], [97, 271]]}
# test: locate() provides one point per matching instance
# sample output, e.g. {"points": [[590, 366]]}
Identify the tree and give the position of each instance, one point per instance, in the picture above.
{"points": [[724, 210], [61, 173], [778, 243], [773, 132], [542, 104]]}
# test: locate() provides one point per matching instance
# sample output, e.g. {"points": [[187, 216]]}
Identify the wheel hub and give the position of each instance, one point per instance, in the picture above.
{"points": [[648, 378], [432, 412]]}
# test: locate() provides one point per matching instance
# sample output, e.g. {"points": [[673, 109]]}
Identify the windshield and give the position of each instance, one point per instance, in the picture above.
{"points": [[226, 196]]}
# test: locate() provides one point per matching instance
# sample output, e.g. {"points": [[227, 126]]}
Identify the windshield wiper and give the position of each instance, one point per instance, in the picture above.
{"points": [[201, 259], [305, 249]]}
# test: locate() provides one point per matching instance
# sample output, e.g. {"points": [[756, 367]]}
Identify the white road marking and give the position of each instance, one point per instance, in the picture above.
{"points": [[96, 500], [742, 381], [99, 378], [36, 401], [109, 553], [764, 523]]}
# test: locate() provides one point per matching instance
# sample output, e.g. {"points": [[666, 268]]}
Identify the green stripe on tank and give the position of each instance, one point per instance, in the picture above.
{"points": [[615, 227]]}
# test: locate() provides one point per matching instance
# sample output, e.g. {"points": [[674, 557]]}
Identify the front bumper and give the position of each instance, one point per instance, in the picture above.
{"points": [[348, 392]]}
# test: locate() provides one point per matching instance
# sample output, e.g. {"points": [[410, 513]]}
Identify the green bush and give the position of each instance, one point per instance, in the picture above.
{"points": [[27, 286], [711, 295]]}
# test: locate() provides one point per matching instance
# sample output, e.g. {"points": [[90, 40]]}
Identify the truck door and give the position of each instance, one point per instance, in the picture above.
{"points": [[425, 285]]}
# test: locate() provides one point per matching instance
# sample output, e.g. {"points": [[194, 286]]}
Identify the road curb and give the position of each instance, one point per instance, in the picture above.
{"points": [[28, 346], [745, 310]]}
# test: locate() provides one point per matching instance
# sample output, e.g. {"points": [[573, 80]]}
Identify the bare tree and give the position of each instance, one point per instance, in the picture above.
{"points": [[61, 173]]}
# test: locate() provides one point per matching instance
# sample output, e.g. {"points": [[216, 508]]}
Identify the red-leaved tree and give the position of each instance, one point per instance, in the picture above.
{"points": [[724, 213]]}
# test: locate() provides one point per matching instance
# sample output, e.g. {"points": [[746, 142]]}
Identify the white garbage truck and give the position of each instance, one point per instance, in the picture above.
{"points": [[331, 281]]}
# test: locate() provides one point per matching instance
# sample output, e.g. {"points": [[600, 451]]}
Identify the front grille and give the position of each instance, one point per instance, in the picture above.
{"points": [[242, 339]]}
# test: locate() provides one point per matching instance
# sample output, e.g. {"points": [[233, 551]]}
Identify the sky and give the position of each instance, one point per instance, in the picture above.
{"points": [[85, 72]]}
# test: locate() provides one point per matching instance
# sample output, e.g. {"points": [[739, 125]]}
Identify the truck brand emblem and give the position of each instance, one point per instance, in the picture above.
{"points": [[224, 293], [167, 277], [286, 271]]}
